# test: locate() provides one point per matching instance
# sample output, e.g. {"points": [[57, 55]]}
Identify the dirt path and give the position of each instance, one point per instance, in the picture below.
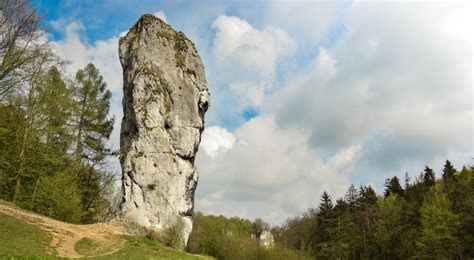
{"points": [[65, 235]]}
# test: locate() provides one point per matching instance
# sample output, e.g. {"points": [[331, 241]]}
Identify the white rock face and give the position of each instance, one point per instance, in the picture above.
{"points": [[266, 238], [165, 99]]}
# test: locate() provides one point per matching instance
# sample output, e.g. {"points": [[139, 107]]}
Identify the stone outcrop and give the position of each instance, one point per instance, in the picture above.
{"points": [[165, 99], [266, 238]]}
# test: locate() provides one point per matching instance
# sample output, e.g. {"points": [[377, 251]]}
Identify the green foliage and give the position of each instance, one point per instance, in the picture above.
{"points": [[18, 238], [230, 238], [180, 48], [58, 197], [429, 219], [439, 227], [463, 204], [448, 178], [429, 177], [43, 131], [299, 232], [92, 124], [388, 235], [392, 186]]}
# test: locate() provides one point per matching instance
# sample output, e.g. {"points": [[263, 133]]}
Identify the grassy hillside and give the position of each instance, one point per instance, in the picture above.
{"points": [[23, 233], [18, 238]]}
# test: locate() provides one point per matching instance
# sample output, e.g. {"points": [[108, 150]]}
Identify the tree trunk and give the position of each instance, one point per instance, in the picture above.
{"points": [[29, 115]]}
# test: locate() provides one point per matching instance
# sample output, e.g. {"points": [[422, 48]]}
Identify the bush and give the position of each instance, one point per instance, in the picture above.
{"points": [[57, 196], [172, 236], [226, 238]]}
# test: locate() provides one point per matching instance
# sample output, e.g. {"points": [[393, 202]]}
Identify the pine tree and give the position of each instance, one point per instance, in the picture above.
{"points": [[325, 222], [448, 177], [345, 239], [55, 107], [54, 113], [352, 197], [392, 186], [93, 127], [407, 181], [429, 177], [367, 196], [366, 217], [463, 205], [326, 203]]}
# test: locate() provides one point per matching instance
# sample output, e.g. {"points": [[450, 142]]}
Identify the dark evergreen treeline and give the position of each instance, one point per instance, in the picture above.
{"points": [[426, 219], [53, 128]]}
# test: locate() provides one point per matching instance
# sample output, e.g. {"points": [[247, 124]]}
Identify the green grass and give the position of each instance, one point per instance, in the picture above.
{"points": [[88, 247], [21, 240], [145, 248], [18, 238]]}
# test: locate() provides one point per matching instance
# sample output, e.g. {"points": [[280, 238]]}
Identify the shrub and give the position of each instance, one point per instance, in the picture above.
{"points": [[172, 236]]}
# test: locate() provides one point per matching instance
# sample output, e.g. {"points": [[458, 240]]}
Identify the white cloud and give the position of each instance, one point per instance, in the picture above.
{"points": [[215, 138], [104, 55], [250, 94], [271, 172], [404, 94], [161, 14], [309, 22], [252, 49]]}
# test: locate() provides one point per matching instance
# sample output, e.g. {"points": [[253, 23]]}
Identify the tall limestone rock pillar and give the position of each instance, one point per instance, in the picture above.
{"points": [[165, 98]]}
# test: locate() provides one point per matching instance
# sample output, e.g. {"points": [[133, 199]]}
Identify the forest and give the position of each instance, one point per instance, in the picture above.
{"points": [[427, 218], [53, 126]]}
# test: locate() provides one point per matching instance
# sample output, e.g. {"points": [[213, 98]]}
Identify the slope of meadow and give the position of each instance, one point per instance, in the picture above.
{"points": [[23, 233]]}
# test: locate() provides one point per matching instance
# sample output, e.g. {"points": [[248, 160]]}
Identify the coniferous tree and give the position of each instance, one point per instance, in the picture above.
{"points": [[429, 177], [352, 198], [325, 222], [54, 113], [367, 197], [407, 180], [344, 234], [392, 186], [463, 205], [93, 127], [448, 178], [366, 217], [55, 107]]}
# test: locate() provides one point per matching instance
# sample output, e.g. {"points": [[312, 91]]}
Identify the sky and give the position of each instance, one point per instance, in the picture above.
{"points": [[306, 96]]}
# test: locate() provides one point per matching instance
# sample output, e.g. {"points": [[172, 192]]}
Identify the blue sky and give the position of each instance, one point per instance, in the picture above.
{"points": [[306, 96]]}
